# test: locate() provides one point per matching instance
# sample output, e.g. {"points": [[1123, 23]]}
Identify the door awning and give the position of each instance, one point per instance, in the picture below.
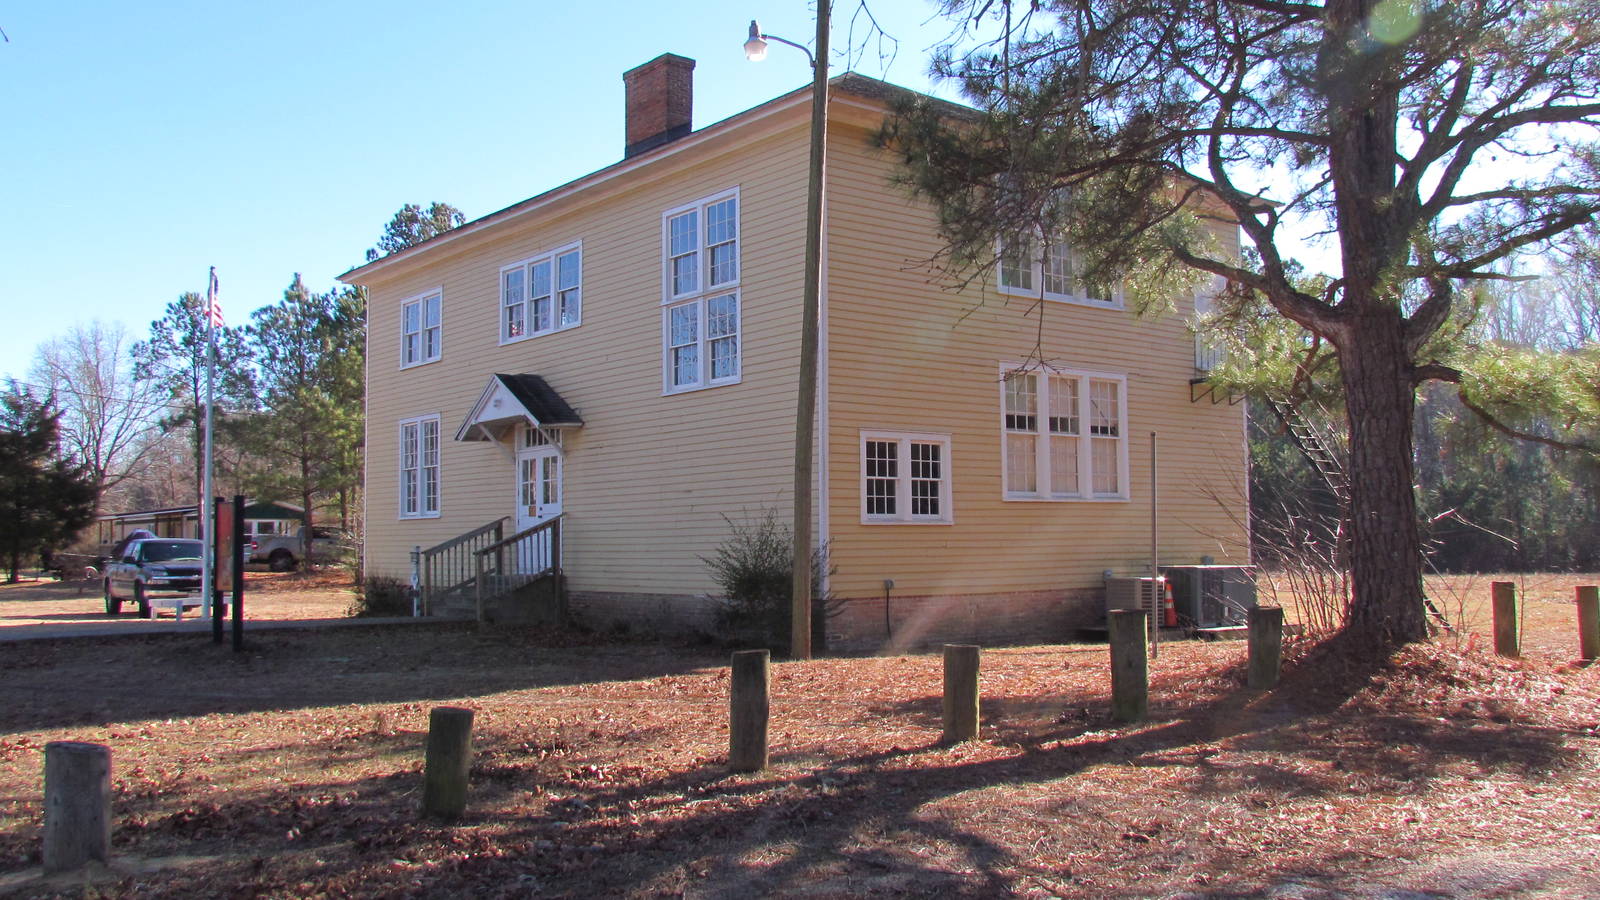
{"points": [[511, 400]]}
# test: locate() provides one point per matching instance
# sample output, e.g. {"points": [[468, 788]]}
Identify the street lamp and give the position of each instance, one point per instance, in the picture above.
{"points": [[805, 416]]}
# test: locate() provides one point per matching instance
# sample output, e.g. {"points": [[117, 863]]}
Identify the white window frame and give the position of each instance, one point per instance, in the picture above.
{"points": [[701, 296], [904, 476], [1043, 487], [1035, 272], [420, 302], [413, 469], [551, 257]]}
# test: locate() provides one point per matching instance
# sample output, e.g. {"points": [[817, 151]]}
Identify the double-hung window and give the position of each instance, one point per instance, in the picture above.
{"points": [[419, 467], [1031, 267], [1065, 436], [700, 319], [905, 478], [420, 330], [542, 294]]}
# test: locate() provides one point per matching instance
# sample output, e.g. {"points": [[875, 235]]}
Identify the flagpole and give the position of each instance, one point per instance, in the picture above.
{"points": [[207, 566]]}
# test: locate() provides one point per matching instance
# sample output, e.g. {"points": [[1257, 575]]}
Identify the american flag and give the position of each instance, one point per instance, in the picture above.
{"points": [[213, 304]]}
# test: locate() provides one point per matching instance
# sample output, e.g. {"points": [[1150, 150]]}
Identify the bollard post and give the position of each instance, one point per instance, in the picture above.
{"points": [[77, 805], [749, 707], [1507, 618], [447, 761], [960, 693], [1266, 647], [1589, 622], [1130, 687]]}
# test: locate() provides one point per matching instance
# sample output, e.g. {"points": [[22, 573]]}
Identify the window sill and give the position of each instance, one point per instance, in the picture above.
{"points": [[690, 389], [1035, 498], [538, 334], [421, 363], [867, 521], [1079, 301], [411, 518]]}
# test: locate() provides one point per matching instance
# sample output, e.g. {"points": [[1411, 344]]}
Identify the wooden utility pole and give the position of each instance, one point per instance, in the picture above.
{"points": [[805, 417]]}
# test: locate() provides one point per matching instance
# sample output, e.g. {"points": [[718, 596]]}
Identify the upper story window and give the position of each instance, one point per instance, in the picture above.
{"points": [[1031, 267], [419, 467], [542, 294], [905, 478], [700, 319], [1065, 436], [420, 330]]}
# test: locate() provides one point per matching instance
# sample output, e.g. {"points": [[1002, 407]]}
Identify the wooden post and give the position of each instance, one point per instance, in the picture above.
{"points": [[1589, 621], [749, 706], [1507, 618], [960, 692], [1130, 689], [1266, 647], [447, 762], [77, 804]]}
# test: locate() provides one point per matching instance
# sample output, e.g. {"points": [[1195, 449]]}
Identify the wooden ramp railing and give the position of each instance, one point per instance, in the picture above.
{"points": [[450, 567], [521, 559]]}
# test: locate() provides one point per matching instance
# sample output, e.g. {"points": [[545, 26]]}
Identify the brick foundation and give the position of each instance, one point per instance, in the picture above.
{"points": [[666, 614], [1020, 617]]}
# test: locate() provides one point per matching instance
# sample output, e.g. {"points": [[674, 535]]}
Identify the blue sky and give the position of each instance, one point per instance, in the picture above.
{"points": [[142, 143]]}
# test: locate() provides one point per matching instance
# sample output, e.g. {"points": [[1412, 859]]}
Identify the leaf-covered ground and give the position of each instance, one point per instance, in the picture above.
{"points": [[294, 771]]}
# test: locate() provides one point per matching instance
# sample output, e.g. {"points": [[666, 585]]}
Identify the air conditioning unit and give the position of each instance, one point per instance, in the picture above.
{"points": [[1213, 596], [1135, 593]]}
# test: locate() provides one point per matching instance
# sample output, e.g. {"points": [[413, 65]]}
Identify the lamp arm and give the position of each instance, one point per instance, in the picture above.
{"points": [[801, 47]]}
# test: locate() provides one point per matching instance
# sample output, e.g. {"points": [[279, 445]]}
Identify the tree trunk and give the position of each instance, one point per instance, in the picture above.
{"points": [[1385, 545]]}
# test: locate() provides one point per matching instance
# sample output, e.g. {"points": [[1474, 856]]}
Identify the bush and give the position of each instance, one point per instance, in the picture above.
{"points": [[753, 569], [382, 595]]}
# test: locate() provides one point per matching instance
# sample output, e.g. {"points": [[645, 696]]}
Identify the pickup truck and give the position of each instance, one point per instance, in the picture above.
{"points": [[281, 552], [152, 565]]}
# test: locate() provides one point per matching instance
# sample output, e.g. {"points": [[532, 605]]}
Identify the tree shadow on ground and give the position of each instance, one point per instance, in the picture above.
{"points": [[90, 682]]}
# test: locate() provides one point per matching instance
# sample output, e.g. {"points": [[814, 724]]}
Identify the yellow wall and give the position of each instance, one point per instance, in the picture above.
{"points": [[907, 354], [648, 477]]}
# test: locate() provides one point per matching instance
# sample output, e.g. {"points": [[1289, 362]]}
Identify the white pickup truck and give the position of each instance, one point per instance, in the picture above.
{"points": [[281, 552], [152, 565]]}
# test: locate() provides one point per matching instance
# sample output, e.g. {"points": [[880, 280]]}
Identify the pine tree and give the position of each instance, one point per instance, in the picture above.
{"points": [[44, 499]]}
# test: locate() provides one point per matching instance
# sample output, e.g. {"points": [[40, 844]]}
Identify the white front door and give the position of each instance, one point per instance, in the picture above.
{"points": [[538, 496]]}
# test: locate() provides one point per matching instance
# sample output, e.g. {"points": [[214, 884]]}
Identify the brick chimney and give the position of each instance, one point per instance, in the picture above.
{"points": [[660, 102]]}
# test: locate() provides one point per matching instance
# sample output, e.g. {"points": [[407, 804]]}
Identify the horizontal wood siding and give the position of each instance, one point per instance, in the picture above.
{"points": [[908, 354], [648, 478]]}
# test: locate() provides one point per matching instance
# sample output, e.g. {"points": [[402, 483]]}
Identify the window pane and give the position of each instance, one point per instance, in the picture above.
{"points": [[1105, 465], [685, 273], [541, 314], [686, 365], [1063, 465], [724, 264], [681, 230], [430, 317], [539, 279], [720, 221], [1063, 405], [514, 323], [568, 270], [430, 343], [685, 327], [1105, 417], [683, 239], [412, 350], [882, 466], [1058, 269], [724, 358], [1016, 264], [548, 481], [1022, 403], [722, 316], [926, 471], [409, 317], [721, 231], [525, 483], [1022, 473]]}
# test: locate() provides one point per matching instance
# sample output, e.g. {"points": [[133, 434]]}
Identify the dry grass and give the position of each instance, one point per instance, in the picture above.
{"points": [[293, 771]]}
